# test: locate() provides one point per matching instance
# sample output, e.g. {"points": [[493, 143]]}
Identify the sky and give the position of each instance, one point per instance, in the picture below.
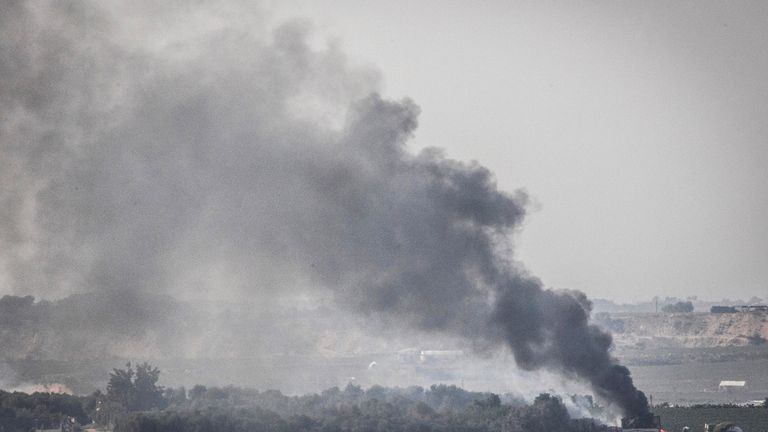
{"points": [[637, 128]]}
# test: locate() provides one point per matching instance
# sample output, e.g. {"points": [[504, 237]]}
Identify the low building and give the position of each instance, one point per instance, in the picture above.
{"points": [[726, 427], [732, 385], [722, 309], [439, 355], [737, 309]]}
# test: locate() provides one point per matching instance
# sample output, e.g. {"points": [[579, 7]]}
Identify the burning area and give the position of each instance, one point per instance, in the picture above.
{"points": [[143, 152]]}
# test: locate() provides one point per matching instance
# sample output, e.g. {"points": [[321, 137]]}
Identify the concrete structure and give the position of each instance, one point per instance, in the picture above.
{"points": [[732, 385], [439, 355], [737, 309], [727, 427]]}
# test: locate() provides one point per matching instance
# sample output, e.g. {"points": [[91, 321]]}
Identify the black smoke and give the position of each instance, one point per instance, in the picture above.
{"points": [[145, 150], [548, 328]]}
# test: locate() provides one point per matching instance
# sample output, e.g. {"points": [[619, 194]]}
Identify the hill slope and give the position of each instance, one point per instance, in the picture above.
{"points": [[689, 329]]}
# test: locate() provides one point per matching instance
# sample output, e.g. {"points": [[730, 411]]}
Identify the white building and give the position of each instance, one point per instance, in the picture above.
{"points": [[732, 385]]}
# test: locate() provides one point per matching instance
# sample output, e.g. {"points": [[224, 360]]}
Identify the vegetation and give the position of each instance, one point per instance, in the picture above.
{"points": [[750, 419], [441, 408], [133, 402], [678, 307], [136, 391], [22, 412]]}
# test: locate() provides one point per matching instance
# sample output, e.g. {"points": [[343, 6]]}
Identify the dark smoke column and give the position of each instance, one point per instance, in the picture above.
{"points": [[449, 269], [550, 329]]}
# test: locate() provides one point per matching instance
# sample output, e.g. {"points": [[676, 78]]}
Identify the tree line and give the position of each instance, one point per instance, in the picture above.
{"points": [[134, 402]]}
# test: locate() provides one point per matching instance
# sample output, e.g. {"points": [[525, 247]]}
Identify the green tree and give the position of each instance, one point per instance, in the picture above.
{"points": [[148, 394], [679, 307], [175, 396], [197, 392], [547, 414], [120, 388], [136, 390]]}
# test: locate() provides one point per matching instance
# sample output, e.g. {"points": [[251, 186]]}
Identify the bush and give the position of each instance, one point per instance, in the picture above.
{"points": [[679, 307]]}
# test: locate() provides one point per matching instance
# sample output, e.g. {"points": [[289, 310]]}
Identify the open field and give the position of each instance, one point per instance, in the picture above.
{"points": [[750, 419], [697, 383], [691, 376]]}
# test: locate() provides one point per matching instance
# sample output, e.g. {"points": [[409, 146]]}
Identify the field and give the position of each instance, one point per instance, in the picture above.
{"points": [[691, 376], [750, 419]]}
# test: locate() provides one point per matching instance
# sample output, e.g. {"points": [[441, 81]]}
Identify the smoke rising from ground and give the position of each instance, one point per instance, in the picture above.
{"points": [[141, 155]]}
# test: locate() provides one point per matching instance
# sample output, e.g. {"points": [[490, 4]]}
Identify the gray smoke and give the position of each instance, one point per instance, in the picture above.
{"points": [[142, 154]]}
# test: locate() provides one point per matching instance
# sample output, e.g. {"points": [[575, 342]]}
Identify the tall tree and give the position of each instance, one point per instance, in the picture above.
{"points": [[136, 390], [148, 394], [120, 388]]}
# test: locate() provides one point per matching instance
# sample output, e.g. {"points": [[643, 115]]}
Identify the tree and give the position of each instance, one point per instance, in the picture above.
{"points": [[120, 388], [175, 396], [197, 392], [148, 394], [547, 414], [679, 307], [136, 390]]}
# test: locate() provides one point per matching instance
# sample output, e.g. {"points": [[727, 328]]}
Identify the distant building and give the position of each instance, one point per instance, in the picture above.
{"points": [[413, 355], [727, 427], [732, 385], [439, 355], [752, 308], [722, 309], [408, 355], [736, 309]]}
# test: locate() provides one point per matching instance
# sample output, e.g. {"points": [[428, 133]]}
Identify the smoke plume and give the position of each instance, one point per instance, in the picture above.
{"points": [[146, 149]]}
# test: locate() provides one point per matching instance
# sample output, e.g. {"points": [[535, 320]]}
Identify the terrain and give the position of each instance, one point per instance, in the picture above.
{"points": [[675, 358], [690, 330], [681, 358], [132, 402], [749, 419]]}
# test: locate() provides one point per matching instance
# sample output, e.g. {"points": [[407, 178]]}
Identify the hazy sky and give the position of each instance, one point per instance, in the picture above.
{"points": [[640, 129]]}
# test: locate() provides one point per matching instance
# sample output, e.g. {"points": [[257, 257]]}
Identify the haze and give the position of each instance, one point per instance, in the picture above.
{"points": [[225, 180]]}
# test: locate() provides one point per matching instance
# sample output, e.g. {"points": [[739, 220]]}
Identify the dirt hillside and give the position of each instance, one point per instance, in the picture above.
{"points": [[690, 329]]}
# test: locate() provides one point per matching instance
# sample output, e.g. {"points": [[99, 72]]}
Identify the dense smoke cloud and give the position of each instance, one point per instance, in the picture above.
{"points": [[141, 155]]}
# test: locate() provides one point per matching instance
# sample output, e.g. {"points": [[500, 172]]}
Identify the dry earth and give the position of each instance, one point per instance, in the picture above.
{"points": [[691, 330]]}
